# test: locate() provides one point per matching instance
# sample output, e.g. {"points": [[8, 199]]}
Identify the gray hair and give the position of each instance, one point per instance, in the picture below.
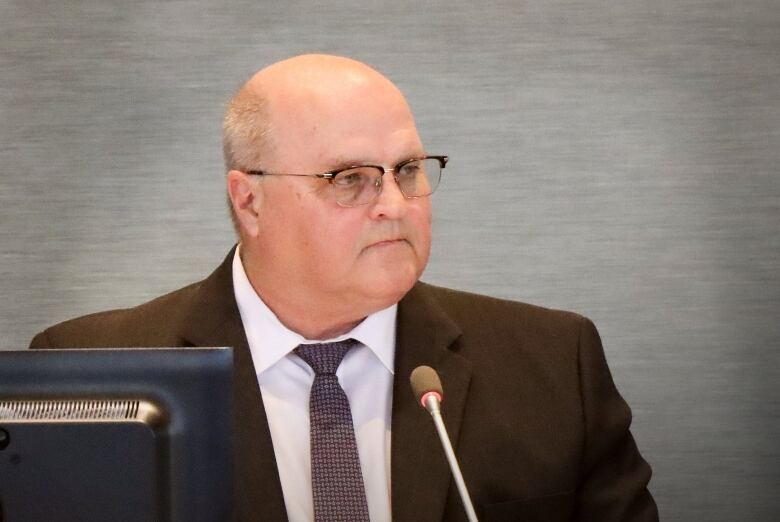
{"points": [[245, 130]]}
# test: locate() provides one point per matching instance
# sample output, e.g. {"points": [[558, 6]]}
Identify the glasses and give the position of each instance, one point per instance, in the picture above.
{"points": [[362, 184]]}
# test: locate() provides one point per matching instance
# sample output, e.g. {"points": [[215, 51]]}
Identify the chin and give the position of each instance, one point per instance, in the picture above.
{"points": [[391, 287]]}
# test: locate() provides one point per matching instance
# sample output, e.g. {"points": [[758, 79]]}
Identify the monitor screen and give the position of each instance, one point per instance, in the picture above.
{"points": [[116, 435]]}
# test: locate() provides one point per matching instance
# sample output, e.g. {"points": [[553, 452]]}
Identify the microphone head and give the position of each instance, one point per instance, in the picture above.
{"points": [[425, 380]]}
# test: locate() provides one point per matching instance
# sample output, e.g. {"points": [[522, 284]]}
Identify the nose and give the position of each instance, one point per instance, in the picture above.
{"points": [[390, 203]]}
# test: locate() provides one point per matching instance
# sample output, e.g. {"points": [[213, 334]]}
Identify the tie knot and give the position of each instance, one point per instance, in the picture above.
{"points": [[324, 358]]}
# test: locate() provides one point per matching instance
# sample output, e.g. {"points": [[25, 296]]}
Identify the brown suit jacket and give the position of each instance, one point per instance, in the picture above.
{"points": [[539, 428]]}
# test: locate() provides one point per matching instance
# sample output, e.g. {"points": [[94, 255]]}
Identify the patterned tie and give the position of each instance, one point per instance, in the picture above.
{"points": [[336, 479]]}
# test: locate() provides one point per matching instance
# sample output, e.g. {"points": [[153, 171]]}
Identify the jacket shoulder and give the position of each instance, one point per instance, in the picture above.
{"points": [[152, 323], [471, 309]]}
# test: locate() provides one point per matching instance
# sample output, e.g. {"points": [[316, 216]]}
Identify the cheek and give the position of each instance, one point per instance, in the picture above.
{"points": [[291, 229], [420, 223], [334, 243]]}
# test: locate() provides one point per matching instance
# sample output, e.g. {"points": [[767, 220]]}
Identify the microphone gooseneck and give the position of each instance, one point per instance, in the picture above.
{"points": [[427, 389]]}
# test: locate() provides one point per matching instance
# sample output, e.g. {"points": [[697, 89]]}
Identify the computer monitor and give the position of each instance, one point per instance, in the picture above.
{"points": [[116, 435]]}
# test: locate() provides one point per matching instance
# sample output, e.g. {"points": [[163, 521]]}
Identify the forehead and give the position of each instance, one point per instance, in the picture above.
{"points": [[324, 125]]}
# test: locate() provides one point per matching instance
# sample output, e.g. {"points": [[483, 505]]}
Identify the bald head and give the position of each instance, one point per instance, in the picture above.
{"points": [[294, 95]]}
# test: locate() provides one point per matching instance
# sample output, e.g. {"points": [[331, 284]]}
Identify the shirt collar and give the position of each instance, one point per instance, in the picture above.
{"points": [[270, 341]]}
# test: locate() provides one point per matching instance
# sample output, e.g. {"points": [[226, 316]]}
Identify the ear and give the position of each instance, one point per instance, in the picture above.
{"points": [[246, 198]]}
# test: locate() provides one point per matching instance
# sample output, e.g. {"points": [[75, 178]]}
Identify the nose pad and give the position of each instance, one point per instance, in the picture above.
{"points": [[379, 183], [389, 201]]}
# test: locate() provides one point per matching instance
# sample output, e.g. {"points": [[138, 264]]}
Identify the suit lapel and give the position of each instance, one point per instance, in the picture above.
{"points": [[420, 475], [214, 320]]}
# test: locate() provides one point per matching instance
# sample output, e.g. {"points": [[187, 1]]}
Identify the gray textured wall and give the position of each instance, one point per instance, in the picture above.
{"points": [[615, 158]]}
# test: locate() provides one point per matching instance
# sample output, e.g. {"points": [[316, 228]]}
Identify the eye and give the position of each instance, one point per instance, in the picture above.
{"points": [[410, 170], [351, 178]]}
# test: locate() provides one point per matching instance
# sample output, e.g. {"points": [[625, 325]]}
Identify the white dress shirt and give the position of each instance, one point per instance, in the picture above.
{"points": [[366, 374]]}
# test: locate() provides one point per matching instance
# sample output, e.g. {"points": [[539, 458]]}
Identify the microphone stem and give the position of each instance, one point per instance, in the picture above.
{"points": [[432, 405]]}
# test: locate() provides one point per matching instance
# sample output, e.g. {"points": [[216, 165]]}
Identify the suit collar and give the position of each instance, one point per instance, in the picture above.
{"points": [[420, 475]]}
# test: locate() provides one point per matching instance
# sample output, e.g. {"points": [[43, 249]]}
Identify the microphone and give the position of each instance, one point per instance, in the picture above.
{"points": [[427, 389]]}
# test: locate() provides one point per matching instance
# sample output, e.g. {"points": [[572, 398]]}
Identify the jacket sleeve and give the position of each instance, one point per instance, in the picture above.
{"points": [[613, 486]]}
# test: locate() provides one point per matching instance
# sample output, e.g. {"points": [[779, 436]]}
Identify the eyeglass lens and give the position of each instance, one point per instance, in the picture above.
{"points": [[361, 185]]}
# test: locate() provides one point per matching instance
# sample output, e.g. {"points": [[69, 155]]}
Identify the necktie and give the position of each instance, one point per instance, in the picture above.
{"points": [[336, 479]]}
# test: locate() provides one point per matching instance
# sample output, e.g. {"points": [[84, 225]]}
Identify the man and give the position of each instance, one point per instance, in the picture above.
{"points": [[329, 253]]}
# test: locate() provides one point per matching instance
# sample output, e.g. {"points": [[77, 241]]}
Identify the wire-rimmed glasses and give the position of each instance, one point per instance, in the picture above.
{"points": [[362, 184]]}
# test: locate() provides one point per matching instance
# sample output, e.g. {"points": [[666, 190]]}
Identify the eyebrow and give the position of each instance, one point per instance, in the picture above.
{"points": [[343, 162]]}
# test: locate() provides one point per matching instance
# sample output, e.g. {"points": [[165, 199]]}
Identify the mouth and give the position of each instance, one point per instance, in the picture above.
{"points": [[387, 243]]}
